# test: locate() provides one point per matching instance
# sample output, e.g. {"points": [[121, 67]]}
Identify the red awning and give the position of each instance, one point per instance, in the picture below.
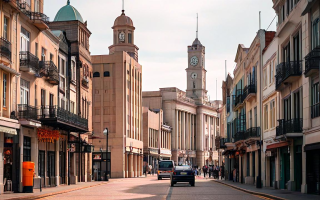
{"points": [[277, 145]]}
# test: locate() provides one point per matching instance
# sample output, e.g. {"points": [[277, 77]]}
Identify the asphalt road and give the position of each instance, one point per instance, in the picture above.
{"points": [[151, 188]]}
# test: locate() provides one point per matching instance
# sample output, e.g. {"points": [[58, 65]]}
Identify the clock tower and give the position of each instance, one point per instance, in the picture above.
{"points": [[123, 36], [196, 72]]}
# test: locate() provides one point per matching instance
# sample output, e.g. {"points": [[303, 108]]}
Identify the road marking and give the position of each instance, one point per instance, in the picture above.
{"points": [[169, 192]]}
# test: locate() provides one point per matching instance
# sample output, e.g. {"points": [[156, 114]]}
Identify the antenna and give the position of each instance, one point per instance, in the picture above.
{"points": [[226, 69], [216, 89], [197, 25], [122, 6], [259, 20]]}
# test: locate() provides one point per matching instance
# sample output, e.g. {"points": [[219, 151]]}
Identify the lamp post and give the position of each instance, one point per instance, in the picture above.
{"points": [[105, 132]]}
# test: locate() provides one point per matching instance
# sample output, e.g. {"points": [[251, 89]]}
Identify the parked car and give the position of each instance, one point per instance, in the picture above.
{"points": [[165, 169], [182, 173]]}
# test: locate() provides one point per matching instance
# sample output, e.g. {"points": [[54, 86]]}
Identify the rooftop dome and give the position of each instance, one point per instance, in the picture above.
{"points": [[196, 42], [68, 13], [123, 20]]}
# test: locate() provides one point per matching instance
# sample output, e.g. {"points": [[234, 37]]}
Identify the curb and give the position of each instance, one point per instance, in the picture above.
{"points": [[56, 193], [251, 192]]}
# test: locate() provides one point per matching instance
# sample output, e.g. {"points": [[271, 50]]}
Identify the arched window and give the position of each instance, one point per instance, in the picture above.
{"points": [[96, 74], [106, 74]]}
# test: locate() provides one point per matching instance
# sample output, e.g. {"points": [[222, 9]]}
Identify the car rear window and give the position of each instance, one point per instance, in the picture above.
{"points": [[165, 165]]}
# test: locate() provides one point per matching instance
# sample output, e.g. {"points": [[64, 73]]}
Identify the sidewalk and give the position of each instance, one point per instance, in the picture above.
{"points": [[268, 192], [53, 190]]}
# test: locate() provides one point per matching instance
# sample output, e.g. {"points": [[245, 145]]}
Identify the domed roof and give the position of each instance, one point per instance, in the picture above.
{"points": [[68, 13], [196, 42], [123, 20]]}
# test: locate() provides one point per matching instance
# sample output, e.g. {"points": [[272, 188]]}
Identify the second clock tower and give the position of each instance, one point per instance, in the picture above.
{"points": [[196, 72]]}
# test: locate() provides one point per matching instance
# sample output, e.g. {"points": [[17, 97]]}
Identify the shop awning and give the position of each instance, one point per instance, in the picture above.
{"points": [[310, 147], [277, 145], [8, 130]]}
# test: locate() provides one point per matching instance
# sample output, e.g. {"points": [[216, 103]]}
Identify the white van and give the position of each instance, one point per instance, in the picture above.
{"points": [[165, 169]]}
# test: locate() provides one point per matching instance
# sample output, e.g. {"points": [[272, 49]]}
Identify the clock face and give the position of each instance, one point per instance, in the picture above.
{"points": [[194, 75], [194, 61], [121, 37]]}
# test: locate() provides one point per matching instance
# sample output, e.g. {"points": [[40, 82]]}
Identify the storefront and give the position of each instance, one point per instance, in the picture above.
{"points": [[99, 163], [313, 167]]}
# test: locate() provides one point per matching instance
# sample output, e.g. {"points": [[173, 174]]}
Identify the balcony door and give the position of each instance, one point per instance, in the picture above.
{"points": [[25, 40], [287, 109], [24, 92], [286, 53], [296, 110], [296, 47]]}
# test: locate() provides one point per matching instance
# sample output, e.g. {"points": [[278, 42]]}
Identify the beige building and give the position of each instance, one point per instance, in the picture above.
{"points": [[193, 118], [117, 105], [156, 137]]}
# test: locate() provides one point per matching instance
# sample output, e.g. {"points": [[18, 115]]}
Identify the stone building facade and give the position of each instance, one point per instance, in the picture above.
{"points": [[193, 118], [117, 96]]}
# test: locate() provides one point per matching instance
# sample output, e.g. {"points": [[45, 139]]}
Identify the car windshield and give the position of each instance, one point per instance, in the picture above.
{"points": [[183, 167], [165, 165]]}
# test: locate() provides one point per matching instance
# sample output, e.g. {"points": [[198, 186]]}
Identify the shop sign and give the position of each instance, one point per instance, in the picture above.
{"points": [[165, 151], [72, 147], [8, 140], [48, 135], [155, 151], [97, 157]]}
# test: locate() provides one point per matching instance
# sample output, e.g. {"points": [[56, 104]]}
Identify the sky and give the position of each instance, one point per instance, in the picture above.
{"points": [[165, 28]]}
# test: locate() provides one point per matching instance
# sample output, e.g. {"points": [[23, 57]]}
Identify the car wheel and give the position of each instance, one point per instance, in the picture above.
{"points": [[172, 184], [192, 184], [159, 178]]}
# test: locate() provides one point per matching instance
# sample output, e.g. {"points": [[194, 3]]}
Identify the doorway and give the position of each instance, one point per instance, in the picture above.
{"points": [[51, 168], [272, 171]]}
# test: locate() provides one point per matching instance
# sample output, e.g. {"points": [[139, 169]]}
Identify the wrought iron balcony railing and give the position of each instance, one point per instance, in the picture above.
{"points": [[26, 111], [289, 126], [312, 61], [39, 16], [29, 61], [49, 70], [315, 110], [286, 69], [252, 132], [24, 7], [5, 48], [54, 112], [249, 89], [239, 136]]}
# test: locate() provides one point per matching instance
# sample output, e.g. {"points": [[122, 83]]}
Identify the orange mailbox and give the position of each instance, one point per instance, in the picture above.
{"points": [[27, 176]]}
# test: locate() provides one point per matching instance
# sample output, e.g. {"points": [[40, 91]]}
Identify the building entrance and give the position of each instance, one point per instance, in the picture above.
{"points": [[99, 161]]}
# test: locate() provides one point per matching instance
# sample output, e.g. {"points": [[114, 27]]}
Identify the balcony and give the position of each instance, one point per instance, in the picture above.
{"points": [[65, 120], [287, 72], [253, 133], [239, 136], [312, 61], [5, 49], [240, 128], [249, 92], [27, 112], [24, 7], [39, 20], [29, 63], [223, 142], [238, 100], [50, 71], [292, 127]]}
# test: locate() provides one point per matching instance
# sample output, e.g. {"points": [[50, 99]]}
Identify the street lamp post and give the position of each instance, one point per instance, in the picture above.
{"points": [[105, 132]]}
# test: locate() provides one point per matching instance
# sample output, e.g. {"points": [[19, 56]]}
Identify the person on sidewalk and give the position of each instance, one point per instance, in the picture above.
{"points": [[145, 169], [234, 175], [222, 171], [205, 170]]}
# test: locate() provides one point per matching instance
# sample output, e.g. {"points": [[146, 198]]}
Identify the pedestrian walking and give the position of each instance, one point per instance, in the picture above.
{"points": [[234, 175], [145, 169], [222, 171], [150, 169], [205, 170]]}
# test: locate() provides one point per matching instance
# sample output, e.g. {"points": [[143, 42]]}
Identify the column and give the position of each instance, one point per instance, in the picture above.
{"points": [[135, 165], [141, 165], [304, 169], [209, 133], [57, 162], [190, 132], [130, 171], [138, 165], [292, 180], [126, 165], [183, 133], [179, 138]]}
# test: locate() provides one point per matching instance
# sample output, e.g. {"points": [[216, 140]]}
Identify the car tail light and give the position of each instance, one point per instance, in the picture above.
{"points": [[192, 173], [158, 172], [174, 173]]}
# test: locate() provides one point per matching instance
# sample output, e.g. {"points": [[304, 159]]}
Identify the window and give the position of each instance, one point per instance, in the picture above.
{"points": [[287, 108], [43, 54], [24, 91], [265, 80], [228, 104], [315, 100], [255, 117], [51, 57], [24, 39], [271, 73], [5, 28], [106, 74], [296, 47], [36, 6], [51, 99], [73, 70], [272, 114], [62, 67], [286, 53], [315, 33], [130, 38], [43, 97], [5, 90], [265, 117], [297, 106], [36, 50], [72, 107], [250, 119], [26, 148]]}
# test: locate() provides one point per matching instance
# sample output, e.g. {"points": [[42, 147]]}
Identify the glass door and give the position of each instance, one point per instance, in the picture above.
{"points": [[51, 168]]}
